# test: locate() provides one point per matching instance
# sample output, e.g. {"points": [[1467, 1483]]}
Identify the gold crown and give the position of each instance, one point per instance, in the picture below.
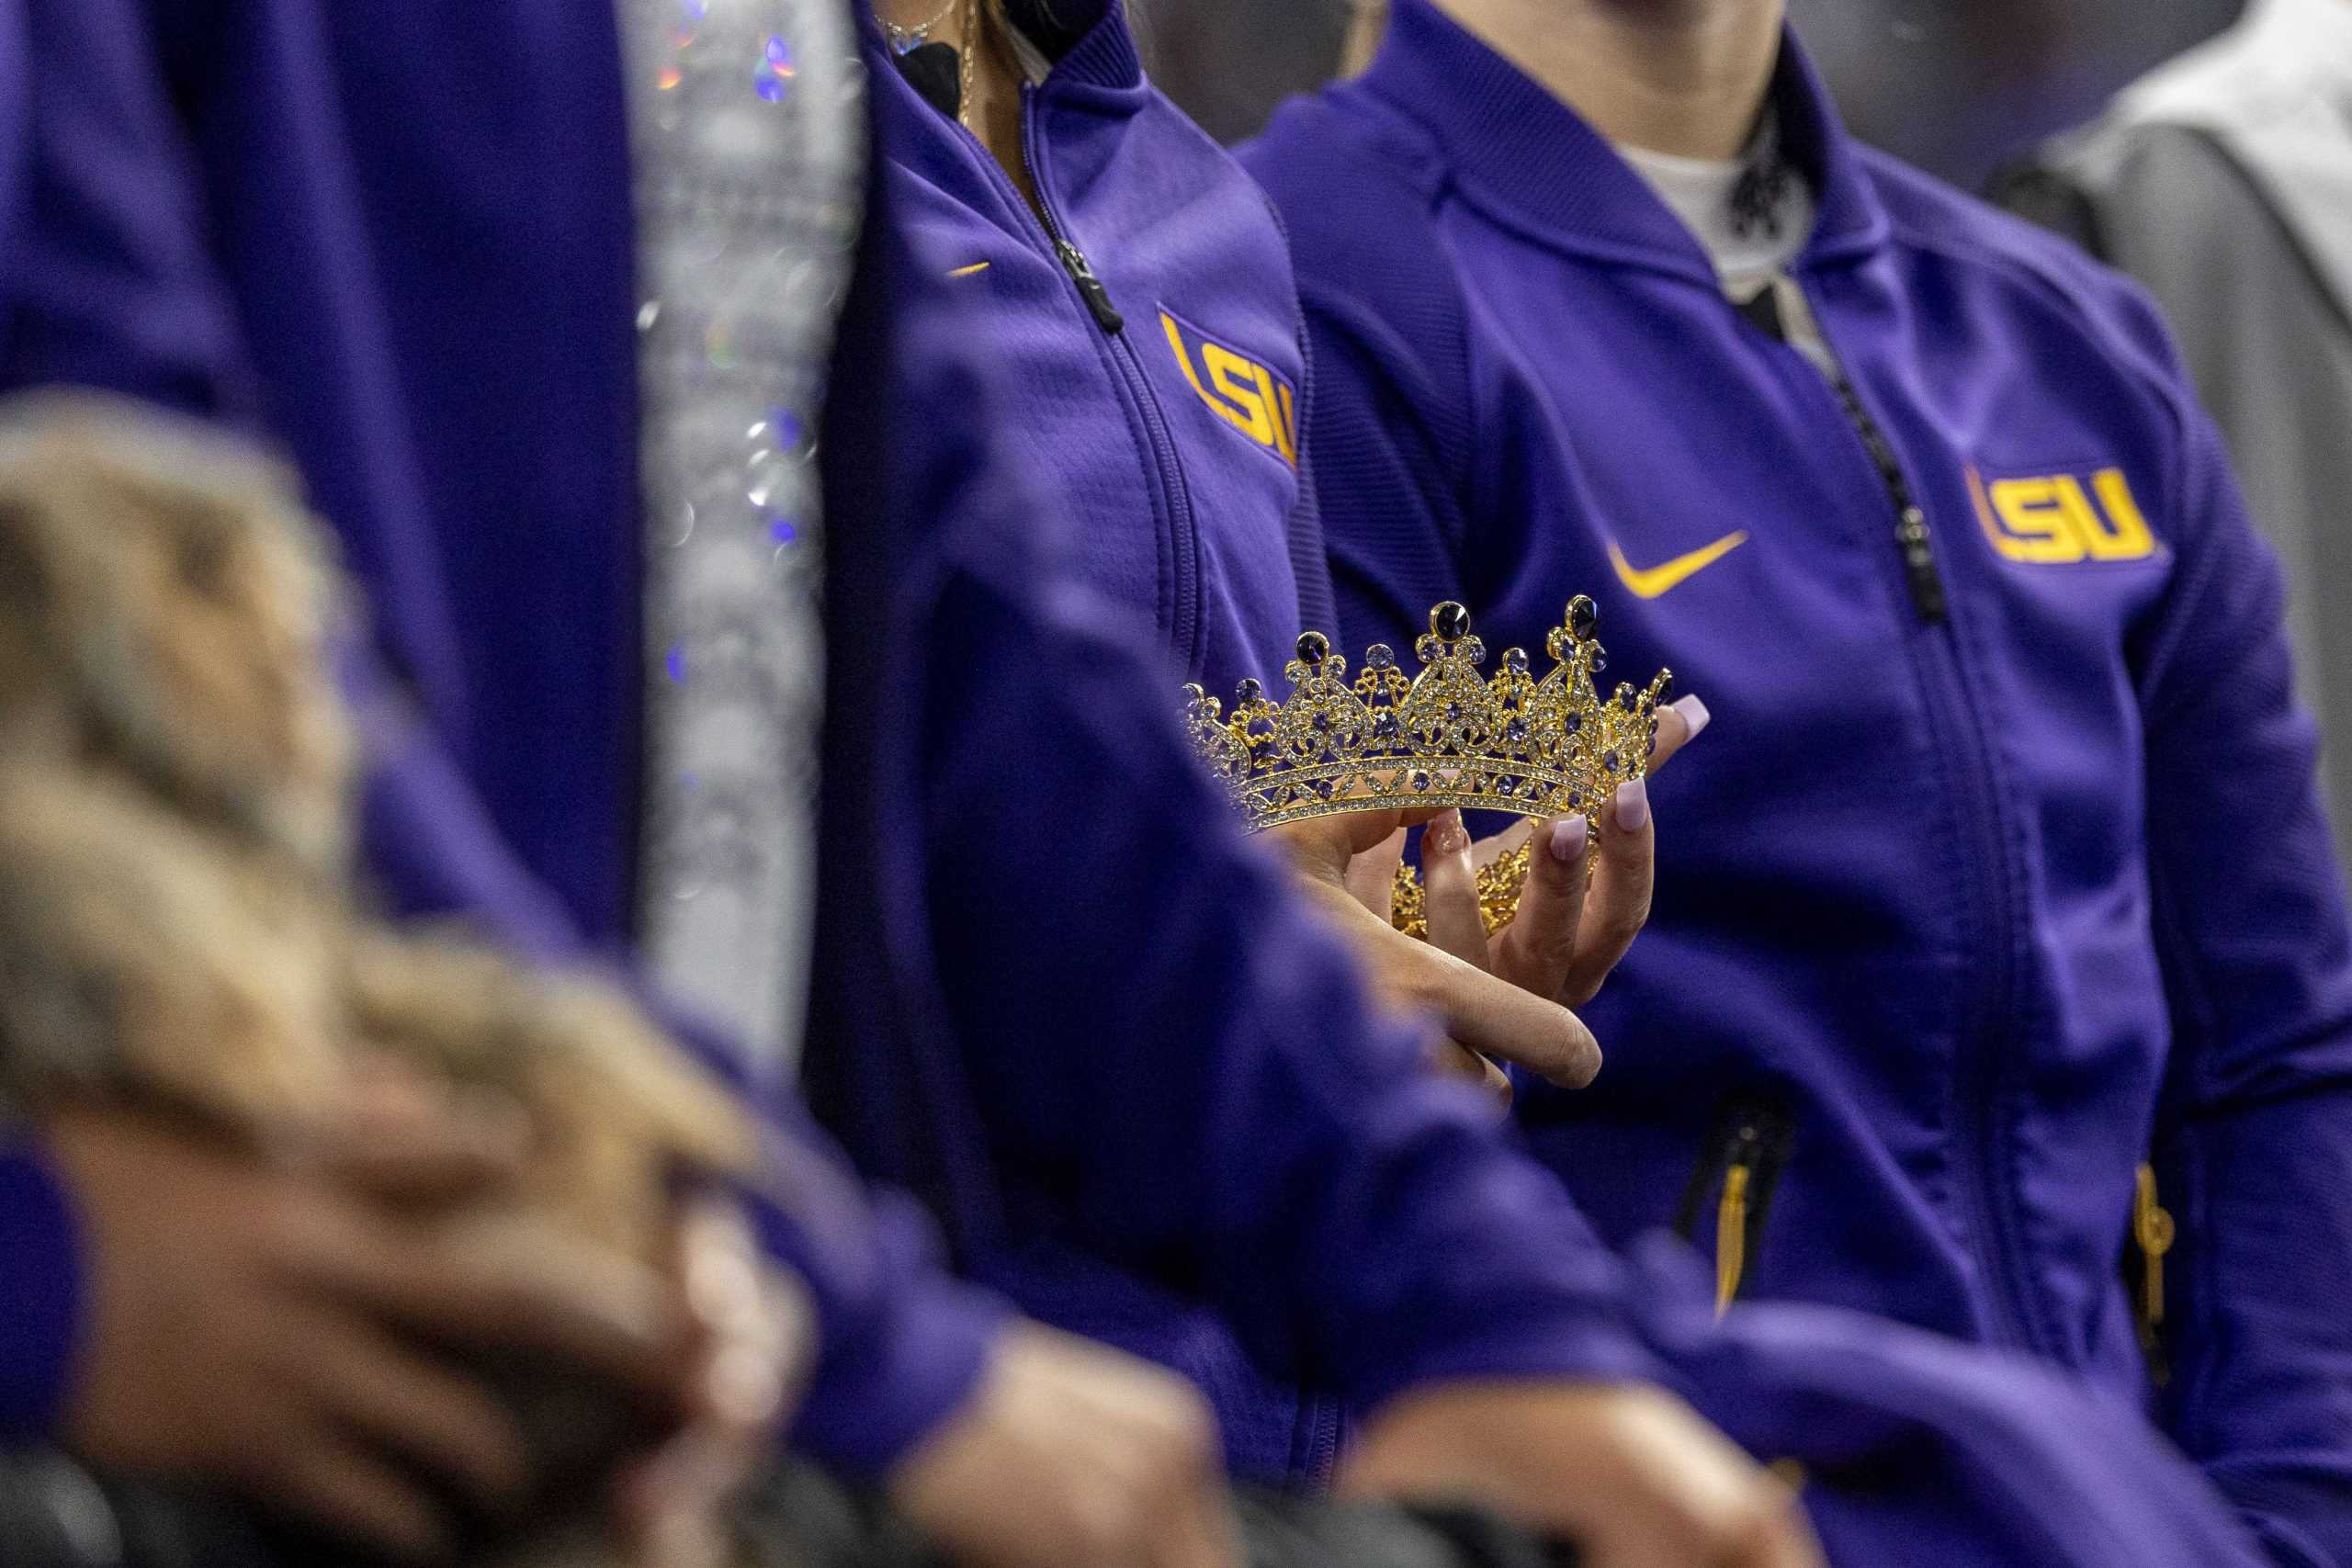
{"points": [[1448, 735]]}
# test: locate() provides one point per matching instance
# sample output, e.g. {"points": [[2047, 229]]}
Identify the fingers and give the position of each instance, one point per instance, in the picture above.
{"points": [[1618, 904], [1781, 1538], [1488, 850], [336, 1484], [742, 1331], [1678, 724], [1781, 1535], [1494, 1017], [463, 1154], [1322, 846], [405, 1402], [1072, 1456], [415, 1141], [1372, 876], [1764, 1528], [1452, 1060], [1189, 1523], [1538, 949], [1195, 1527], [740, 1325], [1450, 890], [669, 1505], [507, 1283]]}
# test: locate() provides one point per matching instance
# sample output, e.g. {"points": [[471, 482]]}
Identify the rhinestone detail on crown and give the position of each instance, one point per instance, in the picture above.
{"points": [[1448, 735]]}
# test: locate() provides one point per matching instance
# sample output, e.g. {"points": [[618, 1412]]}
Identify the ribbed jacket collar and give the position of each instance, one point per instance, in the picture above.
{"points": [[1523, 151]]}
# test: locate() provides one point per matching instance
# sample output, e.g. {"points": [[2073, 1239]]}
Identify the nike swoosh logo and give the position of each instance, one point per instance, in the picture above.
{"points": [[1655, 580]]}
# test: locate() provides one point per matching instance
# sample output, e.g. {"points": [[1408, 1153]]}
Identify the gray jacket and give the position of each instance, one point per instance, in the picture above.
{"points": [[2223, 183]]}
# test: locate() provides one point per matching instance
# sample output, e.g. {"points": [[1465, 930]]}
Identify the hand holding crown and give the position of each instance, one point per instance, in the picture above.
{"points": [[1519, 928]]}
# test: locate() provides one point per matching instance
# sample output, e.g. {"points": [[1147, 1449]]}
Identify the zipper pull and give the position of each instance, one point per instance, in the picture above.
{"points": [[2153, 1227], [1731, 1237], [1089, 287], [1731, 1222], [1919, 564]]}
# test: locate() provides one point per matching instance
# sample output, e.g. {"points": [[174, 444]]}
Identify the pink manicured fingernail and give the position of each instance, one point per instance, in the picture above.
{"points": [[1633, 805], [1567, 837], [1694, 713], [1453, 835]]}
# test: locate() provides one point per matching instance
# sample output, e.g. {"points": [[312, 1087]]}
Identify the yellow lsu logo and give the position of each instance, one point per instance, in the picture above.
{"points": [[2053, 521], [1245, 394]]}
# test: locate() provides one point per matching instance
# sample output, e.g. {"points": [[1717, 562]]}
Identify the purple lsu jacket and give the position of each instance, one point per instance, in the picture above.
{"points": [[1361, 1217], [475, 457], [2002, 870], [429, 252], [1147, 337], [1148, 334], [1170, 1070]]}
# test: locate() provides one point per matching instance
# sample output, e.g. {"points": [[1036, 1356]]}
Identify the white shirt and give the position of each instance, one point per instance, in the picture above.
{"points": [[1752, 215], [1748, 246]]}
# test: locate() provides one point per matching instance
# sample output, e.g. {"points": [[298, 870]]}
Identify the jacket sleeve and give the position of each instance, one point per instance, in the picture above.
{"points": [[2261, 334], [903, 1346], [39, 1296], [102, 285], [1172, 1048], [103, 282], [2251, 1149]]}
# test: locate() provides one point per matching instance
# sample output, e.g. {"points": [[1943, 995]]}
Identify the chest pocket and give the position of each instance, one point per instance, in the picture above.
{"points": [[1739, 1166], [2062, 519], [1247, 394]]}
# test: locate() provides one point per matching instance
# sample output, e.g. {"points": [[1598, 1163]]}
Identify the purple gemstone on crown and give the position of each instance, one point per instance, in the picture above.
{"points": [[1515, 732], [1609, 762], [1626, 698], [1572, 723], [1380, 656], [1421, 781], [1454, 710], [1599, 661], [1516, 662], [1383, 726]]}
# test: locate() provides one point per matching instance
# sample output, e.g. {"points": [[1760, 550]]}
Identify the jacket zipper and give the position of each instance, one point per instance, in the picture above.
{"points": [[1323, 1416], [1956, 721], [1089, 287], [1175, 495], [1920, 573]]}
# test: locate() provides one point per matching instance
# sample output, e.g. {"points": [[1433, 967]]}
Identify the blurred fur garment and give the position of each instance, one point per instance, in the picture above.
{"points": [[178, 926]]}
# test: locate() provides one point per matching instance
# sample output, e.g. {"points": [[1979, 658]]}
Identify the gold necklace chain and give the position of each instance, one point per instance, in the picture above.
{"points": [[972, 41], [907, 40]]}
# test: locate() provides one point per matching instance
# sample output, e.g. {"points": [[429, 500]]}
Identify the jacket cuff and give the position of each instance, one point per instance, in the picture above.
{"points": [[877, 1396], [39, 1296], [1567, 1342]]}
